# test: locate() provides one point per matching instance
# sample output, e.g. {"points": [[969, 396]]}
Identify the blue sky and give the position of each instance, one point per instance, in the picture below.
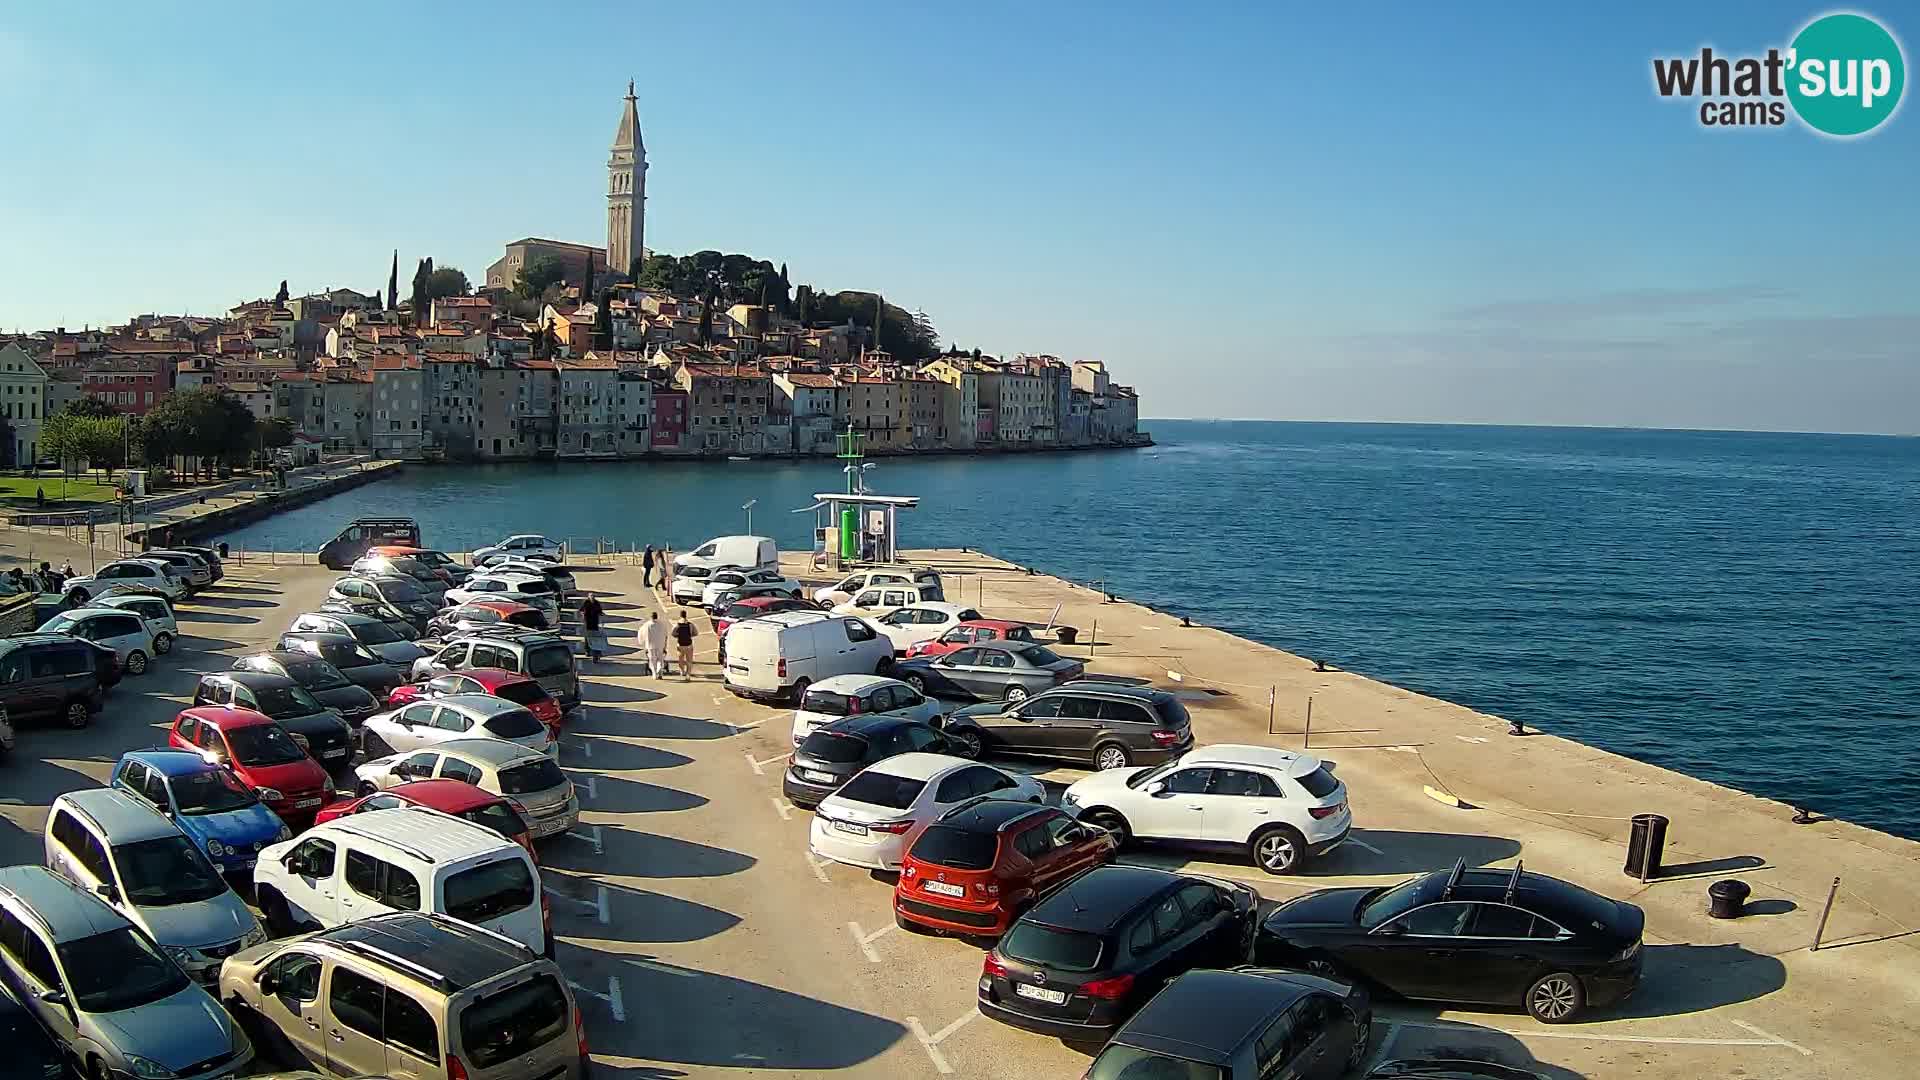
{"points": [[1399, 213]]}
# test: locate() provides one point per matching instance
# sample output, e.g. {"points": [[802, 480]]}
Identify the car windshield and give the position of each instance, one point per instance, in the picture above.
{"points": [[279, 701], [399, 592], [828, 703], [1119, 1062], [833, 746], [264, 744], [489, 891], [515, 724], [1390, 904], [215, 791], [118, 970], [1319, 783], [434, 558], [514, 1021], [549, 660], [498, 816], [1041, 656], [959, 849], [166, 870], [343, 655], [533, 586], [534, 776], [881, 789], [1057, 950], [58, 624], [1148, 776], [373, 632], [317, 675], [522, 693]]}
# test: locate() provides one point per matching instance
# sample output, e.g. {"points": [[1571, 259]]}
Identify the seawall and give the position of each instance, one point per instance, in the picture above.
{"points": [[262, 505]]}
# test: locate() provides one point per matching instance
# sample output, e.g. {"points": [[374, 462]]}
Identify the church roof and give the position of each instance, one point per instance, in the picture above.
{"points": [[627, 137]]}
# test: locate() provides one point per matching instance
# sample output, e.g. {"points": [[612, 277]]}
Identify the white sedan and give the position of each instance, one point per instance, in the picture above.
{"points": [[533, 590], [747, 583], [909, 626], [861, 695], [866, 822], [520, 547]]}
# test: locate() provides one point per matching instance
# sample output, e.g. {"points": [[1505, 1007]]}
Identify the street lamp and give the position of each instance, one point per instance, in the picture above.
{"points": [[748, 507]]}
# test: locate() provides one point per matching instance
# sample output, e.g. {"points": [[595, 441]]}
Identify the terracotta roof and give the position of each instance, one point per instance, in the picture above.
{"points": [[589, 362], [465, 301], [449, 358], [396, 363], [249, 388], [818, 382], [536, 365]]}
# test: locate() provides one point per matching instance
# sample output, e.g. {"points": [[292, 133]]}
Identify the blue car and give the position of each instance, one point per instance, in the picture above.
{"points": [[215, 808]]}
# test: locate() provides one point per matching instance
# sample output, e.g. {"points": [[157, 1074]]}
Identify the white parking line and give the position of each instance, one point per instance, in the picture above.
{"points": [[866, 940], [1470, 738], [586, 745], [758, 763], [1364, 846], [615, 1004], [1660, 1040], [1804, 1052], [738, 728], [593, 786], [600, 906], [591, 836], [819, 866], [931, 1043], [782, 807]]}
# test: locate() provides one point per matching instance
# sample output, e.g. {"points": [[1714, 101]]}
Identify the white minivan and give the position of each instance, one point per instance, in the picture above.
{"points": [[745, 552], [776, 657]]}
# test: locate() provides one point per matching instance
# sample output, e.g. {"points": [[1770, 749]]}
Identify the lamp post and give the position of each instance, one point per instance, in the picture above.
{"points": [[748, 507]]}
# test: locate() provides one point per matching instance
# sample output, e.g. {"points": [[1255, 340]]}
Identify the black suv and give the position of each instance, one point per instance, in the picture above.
{"points": [[1108, 725], [1077, 964], [328, 684], [329, 740], [55, 675], [830, 756]]}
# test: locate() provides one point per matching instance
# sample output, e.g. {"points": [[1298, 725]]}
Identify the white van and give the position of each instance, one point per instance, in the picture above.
{"points": [[776, 657], [745, 552], [406, 859]]}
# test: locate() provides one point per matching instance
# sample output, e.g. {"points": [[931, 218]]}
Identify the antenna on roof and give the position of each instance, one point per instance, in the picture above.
{"points": [[1453, 878], [1513, 883]]}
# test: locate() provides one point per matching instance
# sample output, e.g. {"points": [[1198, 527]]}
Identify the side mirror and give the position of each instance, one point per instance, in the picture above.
{"points": [[399, 769], [108, 893], [268, 985], [1392, 930], [56, 998], [1157, 789], [938, 723]]}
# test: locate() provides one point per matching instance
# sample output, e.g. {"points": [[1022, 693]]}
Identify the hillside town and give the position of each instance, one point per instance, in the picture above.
{"points": [[572, 351]]}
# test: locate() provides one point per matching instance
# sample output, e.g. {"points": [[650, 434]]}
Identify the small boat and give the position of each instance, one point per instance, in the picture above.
{"points": [[738, 457]]}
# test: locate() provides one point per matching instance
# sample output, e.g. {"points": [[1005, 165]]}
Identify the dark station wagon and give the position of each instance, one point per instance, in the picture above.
{"points": [[1105, 724]]}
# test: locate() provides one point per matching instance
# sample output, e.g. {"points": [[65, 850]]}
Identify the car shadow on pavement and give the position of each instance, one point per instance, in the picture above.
{"points": [[617, 795], [687, 1016], [600, 693], [1460, 1041], [649, 725], [1408, 853], [1681, 979], [611, 754], [187, 616], [210, 601], [222, 588], [649, 854]]}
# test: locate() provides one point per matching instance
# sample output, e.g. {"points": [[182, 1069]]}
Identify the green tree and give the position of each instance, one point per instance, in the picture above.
{"points": [[536, 277], [274, 433], [63, 438], [420, 275], [90, 406], [447, 281]]}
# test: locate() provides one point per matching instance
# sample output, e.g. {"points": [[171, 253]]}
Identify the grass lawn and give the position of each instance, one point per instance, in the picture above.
{"points": [[18, 491]]}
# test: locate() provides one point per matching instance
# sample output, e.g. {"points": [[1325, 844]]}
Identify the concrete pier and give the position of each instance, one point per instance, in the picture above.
{"points": [[703, 940]]}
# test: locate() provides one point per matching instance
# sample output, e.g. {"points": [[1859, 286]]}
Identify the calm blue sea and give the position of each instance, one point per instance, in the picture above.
{"points": [[1742, 607]]}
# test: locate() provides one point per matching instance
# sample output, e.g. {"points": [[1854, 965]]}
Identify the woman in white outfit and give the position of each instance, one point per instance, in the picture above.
{"points": [[653, 637]]}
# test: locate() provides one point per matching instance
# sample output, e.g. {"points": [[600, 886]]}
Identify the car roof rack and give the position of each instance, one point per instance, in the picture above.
{"points": [[399, 963], [1513, 883], [1453, 878]]}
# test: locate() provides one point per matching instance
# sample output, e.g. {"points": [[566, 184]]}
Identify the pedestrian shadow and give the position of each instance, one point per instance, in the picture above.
{"points": [[765, 1029], [618, 795], [647, 855]]}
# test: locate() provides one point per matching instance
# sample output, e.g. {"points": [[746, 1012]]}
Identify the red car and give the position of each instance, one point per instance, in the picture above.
{"points": [[514, 687], [966, 633], [264, 755], [454, 797], [753, 607], [975, 868]]}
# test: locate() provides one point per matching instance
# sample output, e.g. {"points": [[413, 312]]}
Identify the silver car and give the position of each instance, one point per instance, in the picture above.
{"points": [[92, 979], [124, 851], [125, 632]]}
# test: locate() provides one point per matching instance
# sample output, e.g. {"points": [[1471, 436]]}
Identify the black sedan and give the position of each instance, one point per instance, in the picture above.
{"points": [[1244, 1024], [355, 661], [381, 639], [989, 671], [317, 677], [398, 623], [833, 753], [1483, 937], [1077, 964]]}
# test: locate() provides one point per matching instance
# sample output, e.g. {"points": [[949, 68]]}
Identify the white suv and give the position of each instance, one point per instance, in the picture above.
{"points": [[425, 724], [1280, 807], [406, 859]]}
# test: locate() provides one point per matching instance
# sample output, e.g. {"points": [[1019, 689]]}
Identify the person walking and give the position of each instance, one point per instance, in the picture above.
{"points": [[646, 564], [653, 638], [683, 635], [666, 569], [590, 611]]}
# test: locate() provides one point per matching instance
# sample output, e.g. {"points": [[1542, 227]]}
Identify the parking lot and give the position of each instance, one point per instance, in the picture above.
{"points": [[703, 938]]}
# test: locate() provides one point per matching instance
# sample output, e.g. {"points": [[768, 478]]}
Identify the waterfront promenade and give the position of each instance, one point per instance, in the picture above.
{"points": [[705, 941]]}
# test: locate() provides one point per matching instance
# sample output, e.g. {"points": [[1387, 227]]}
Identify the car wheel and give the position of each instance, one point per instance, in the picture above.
{"points": [[919, 684], [78, 715], [966, 743], [162, 643], [800, 690], [1556, 998], [1362, 1042], [279, 916], [97, 1069], [136, 663], [1016, 694], [1278, 850], [1111, 756], [884, 667], [1111, 821], [1323, 967]]}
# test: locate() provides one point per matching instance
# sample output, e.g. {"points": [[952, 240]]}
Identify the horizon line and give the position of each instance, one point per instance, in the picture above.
{"points": [[1541, 427]]}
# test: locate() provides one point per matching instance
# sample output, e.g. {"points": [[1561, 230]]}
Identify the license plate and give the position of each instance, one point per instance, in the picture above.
{"points": [[816, 777], [341, 752], [851, 827], [302, 804], [1051, 997], [945, 889]]}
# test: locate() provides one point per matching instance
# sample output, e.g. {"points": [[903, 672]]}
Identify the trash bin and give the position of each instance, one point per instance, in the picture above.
{"points": [[1727, 899], [1644, 846], [223, 550], [1066, 634]]}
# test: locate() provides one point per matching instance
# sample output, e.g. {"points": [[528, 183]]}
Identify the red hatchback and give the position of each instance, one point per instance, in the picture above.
{"points": [[753, 607], [969, 632], [512, 686], [455, 797], [261, 753], [978, 866]]}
